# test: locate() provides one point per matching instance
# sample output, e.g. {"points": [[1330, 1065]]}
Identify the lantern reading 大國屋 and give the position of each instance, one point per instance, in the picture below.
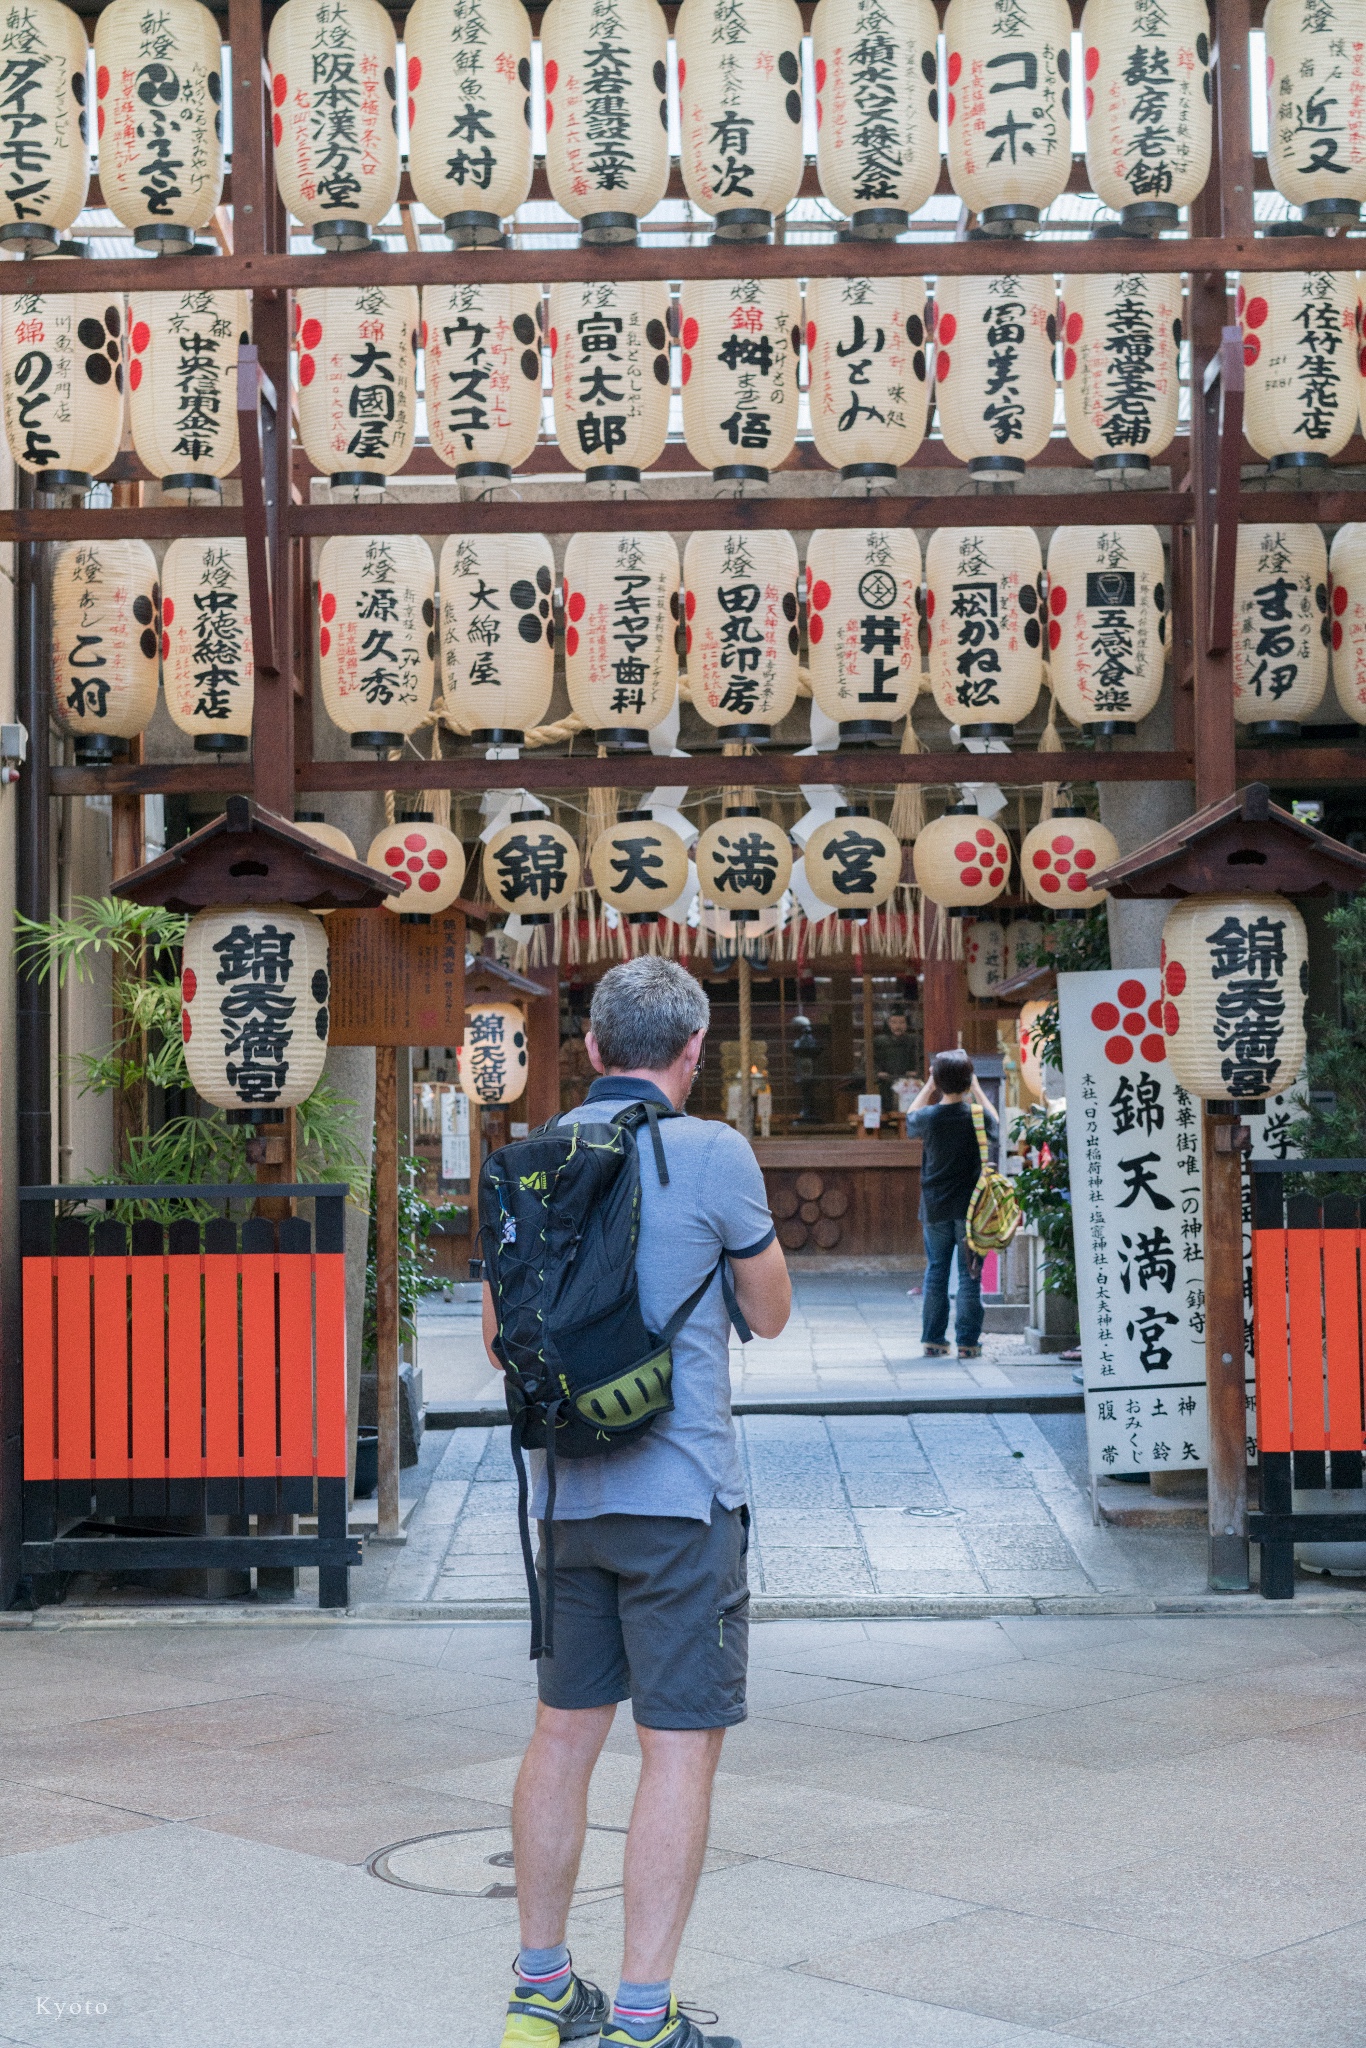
{"points": [[182, 387], [994, 385], [208, 669], [1148, 106], [497, 633], [62, 358], [863, 628], [493, 1054], [106, 617], [621, 607], [606, 113], [1009, 108], [1121, 339], [744, 863], [357, 371], [481, 346], [865, 339], [469, 113], [741, 343], [984, 608], [159, 113], [531, 867], [962, 860], [376, 635], [609, 366], [742, 634], [1107, 624], [255, 992], [1281, 631], [877, 110], [740, 111], [334, 109], [1235, 975], [852, 863], [44, 130]]}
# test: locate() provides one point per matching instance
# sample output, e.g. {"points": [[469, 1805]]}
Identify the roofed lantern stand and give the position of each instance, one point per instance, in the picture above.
{"points": [[1242, 844]]}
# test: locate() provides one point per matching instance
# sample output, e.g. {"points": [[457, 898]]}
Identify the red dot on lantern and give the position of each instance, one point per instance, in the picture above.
{"points": [[691, 330], [984, 836], [947, 328], [1154, 1048], [1257, 310], [955, 67], [820, 595], [571, 640], [1054, 635], [429, 882], [1119, 1051], [1339, 598], [1133, 1023], [328, 606], [1063, 842], [1077, 883], [307, 367], [1337, 635], [1040, 858], [821, 74], [996, 877], [312, 333], [393, 856], [165, 646], [691, 605], [1176, 978], [414, 73], [277, 129], [134, 374], [412, 110], [324, 641], [189, 982], [1074, 326], [102, 80], [554, 340], [140, 337], [1105, 1016], [1155, 1013], [811, 334], [1132, 995], [167, 610], [1239, 302], [185, 1026], [552, 75], [687, 366], [578, 605], [415, 864], [1084, 857], [278, 88], [438, 857], [1062, 864], [415, 841], [971, 878], [1050, 884], [815, 629], [929, 604], [1252, 348], [1057, 599], [943, 363], [1092, 61], [1069, 363], [965, 850], [682, 70], [1090, 103], [1171, 1020]]}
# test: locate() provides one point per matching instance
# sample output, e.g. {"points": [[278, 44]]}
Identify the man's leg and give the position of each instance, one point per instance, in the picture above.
{"points": [[934, 1317], [666, 1844], [550, 1816], [969, 1314]]}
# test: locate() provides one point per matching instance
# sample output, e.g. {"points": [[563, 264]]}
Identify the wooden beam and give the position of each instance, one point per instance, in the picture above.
{"points": [[252, 386], [386, 1285], [1224, 537]]}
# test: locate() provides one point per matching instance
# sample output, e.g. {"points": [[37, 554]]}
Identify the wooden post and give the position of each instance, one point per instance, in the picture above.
{"points": [[1223, 1196], [127, 845], [940, 1006], [386, 1285], [746, 1122], [542, 1098]]}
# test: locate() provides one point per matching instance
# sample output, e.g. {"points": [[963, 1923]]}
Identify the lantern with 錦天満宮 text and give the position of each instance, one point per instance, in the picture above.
{"points": [[208, 667], [159, 113], [497, 634], [606, 113], [1235, 976], [741, 342], [621, 608], [531, 867], [866, 340], [44, 130], [961, 859], [493, 1063], [863, 628], [469, 114], [877, 110], [1009, 108], [740, 111], [481, 346], [182, 388], [1121, 341], [609, 366], [357, 353], [106, 619], [1281, 632], [255, 994], [1148, 106], [1061, 854], [742, 635], [1315, 82], [424, 858], [744, 863], [984, 608], [1107, 624], [994, 385], [334, 108], [376, 635], [852, 862], [62, 359]]}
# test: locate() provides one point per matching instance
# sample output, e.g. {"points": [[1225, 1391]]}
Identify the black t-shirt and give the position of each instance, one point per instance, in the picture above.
{"points": [[951, 1161]]}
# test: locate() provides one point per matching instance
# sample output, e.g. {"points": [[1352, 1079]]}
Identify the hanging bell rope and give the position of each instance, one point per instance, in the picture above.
{"points": [[907, 818]]}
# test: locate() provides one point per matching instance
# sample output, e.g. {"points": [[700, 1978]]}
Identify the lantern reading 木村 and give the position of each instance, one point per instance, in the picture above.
{"points": [[609, 364], [1347, 583], [742, 630], [640, 866], [334, 95], [497, 633], [621, 608], [877, 110], [993, 370], [1315, 82], [1121, 339], [740, 111], [961, 859], [744, 863], [852, 862], [1303, 386], [863, 628], [984, 953], [1235, 974], [376, 635], [531, 867], [44, 133], [106, 605], [425, 859], [866, 340], [984, 608], [1107, 624], [1148, 108], [1009, 108], [741, 342], [182, 387], [357, 380], [208, 668], [159, 98], [469, 114], [1280, 627], [606, 112], [62, 358], [493, 1064], [482, 356], [254, 990], [1024, 938], [1061, 854]]}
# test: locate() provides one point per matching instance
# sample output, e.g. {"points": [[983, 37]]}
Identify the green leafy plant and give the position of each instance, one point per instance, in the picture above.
{"points": [[1332, 1123], [1072, 945], [417, 1220]]}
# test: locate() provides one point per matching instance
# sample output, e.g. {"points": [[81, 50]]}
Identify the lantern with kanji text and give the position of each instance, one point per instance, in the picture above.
{"points": [[862, 627], [639, 866], [334, 100], [1030, 1043], [740, 111], [993, 369], [1024, 939], [744, 863], [852, 862], [469, 114], [531, 867], [1009, 108], [1281, 630], [984, 955], [1121, 339], [497, 633], [44, 133], [254, 990], [1303, 385], [482, 356], [62, 359], [182, 387], [877, 110], [1148, 108], [1347, 585], [1235, 976], [207, 663], [493, 1054], [1316, 83], [742, 635], [106, 619], [424, 858], [609, 363], [869, 383], [984, 607], [357, 352], [961, 859], [1060, 857], [621, 609], [376, 635], [1107, 624], [330, 836], [741, 343], [606, 112], [159, 100]]}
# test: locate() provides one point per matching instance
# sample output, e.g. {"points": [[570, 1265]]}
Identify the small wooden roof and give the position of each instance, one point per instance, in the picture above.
{"points": [[486, 976], [1243, 843], [1030, 982], [250, 855]]}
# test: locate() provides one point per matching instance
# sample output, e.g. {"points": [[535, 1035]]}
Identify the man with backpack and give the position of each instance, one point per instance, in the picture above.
{"points": [[948, 1117], [643, 1540]]}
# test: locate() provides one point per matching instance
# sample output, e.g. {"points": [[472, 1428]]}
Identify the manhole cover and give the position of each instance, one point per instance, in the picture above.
{"points": [[476, 1863], [933, 1514]]}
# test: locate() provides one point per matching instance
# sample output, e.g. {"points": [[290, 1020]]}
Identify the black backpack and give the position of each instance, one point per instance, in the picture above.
{"points": [[582, 1371]]}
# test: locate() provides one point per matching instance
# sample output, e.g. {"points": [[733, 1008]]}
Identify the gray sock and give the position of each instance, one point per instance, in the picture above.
{"points": [[544, 1969], [640, 2010]]}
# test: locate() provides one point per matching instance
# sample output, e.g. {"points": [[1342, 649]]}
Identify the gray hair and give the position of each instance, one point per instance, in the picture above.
{"points": [[644, 1012]]}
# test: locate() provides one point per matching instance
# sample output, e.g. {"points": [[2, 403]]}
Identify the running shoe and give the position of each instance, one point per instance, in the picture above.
{"points": [[676, 2031], [537, 2021]]}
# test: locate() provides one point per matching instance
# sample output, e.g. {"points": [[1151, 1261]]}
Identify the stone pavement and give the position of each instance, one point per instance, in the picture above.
{"points": [[1021, 1833]]}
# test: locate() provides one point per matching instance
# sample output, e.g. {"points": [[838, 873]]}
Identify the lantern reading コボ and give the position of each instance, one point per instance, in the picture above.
{"points": [[1061, 854], [1300, 356], [606, 112], [740, 111], [620, 638], [469, 113], [1121, 339], [984, 608], [159, 94], [866, 341], [1009, 108], [208, 668], [1315, 81], [1235, 974], [376, 635], [493, 1065], [424, 858], [497, 633], [741, 340], [182, 387], [744, 863], [1347, 582], [1148, 107], [254, 991], [742, 633], [639, 866], [993, 369], [481, 346], [877, 110], [62, 357], [852, 862], [44, 133], [1281, 631], [334, 99], [357, 380], [984, 954], [961, 859], [862, 625], [609, 360], [1107, 624], [531, 867], [106, 606]]}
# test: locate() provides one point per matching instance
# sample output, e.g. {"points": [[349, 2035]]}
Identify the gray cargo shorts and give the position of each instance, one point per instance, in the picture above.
{"points": [[654, 1609]]}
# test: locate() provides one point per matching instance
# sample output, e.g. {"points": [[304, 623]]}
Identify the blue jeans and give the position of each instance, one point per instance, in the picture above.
{"points": [[940, 1241]]}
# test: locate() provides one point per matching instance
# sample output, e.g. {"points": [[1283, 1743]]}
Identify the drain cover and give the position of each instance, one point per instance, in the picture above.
{"points": [[476, 1863], [933, 1514]]}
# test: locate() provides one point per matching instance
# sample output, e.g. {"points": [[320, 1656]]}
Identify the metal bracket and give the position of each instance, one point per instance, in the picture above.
{"points": [[1227, 373], [253, 385]]}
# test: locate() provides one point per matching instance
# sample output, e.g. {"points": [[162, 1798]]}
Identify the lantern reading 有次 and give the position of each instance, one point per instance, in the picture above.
{"points": [[740, 111]]}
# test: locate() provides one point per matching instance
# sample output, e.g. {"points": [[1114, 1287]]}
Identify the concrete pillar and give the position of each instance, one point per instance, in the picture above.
{"points": [[1137, 812]]}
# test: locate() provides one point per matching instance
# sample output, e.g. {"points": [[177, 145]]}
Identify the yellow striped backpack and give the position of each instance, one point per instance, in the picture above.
{"points": [[994, 1211]]}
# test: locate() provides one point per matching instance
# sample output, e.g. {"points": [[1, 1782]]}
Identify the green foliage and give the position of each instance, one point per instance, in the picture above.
{"points": [[1334, 1127], [1045, 1195], [1072, 945], [417, 1219]]}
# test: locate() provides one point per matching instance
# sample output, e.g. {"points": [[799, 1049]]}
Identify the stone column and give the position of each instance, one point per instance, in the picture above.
{"points": [[1137, 812]]}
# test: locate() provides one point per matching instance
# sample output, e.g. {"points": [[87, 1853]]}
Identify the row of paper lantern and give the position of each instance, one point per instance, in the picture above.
{"points": [[996, 948]]}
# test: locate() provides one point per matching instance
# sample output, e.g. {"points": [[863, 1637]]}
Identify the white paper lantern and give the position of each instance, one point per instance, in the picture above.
{"points": [[497, 633], [331, 836], [1148, 108], [741, 344], [376, 635], [1031, 1048], [62, 358], [482, 350], [255, 991], [182, 387], [531, 867], [159, 95], [863, 628], [606, 112], [1061, 854], [1347, 582], [1235, 975], [609, 360], [334, 89], [209, 671], [621, 608], [357, 380], [852, 862], [493, 1055], [1316, 85], [744, 863], [424, 858], [1107, 624], [984, 607], [1024, 938], [984, 954], [44, 132], [961, 859], [639, 866], [1280, 627], [106, 617], [877, 110], [469, 113], [1009, 108], [1121, 340], [869, 381], [1302, 382], [993, 372], [740, 111], [742, 633]]}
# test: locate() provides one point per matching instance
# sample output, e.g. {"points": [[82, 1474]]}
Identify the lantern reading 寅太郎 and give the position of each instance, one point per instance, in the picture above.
{"points": [[609, 363]]}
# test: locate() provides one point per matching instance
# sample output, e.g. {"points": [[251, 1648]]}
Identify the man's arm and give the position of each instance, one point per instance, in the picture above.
{"points": [[926, 1095], [982, 1099], [763, 1288], [490, 1329]]}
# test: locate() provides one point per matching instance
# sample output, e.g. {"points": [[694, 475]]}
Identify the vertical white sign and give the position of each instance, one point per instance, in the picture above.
{"points": [[455, 1134]]}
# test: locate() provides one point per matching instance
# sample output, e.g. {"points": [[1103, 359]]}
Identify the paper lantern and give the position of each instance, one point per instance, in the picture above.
{"points": [[254, 991], [425, 859], [497, 633], [1107, 624], [606, 113], [493, 1063], [1303, 386], [866, 340], [357, 380], [744, 863], [1121, 340], [182, 387], [376, 635], [852, 862], [1281, 632], [863, 628], [1148, 108], [469, 113], [1235, 974], [62, 358], [331, 836], [1061, 854], [961, 859], [1009, 108], [106, 605], [482, 355], [740, 111], [1347, 584], [639, 866], [742, 630], [741, 342], [621, 608], [877, 110], [1031, 1063], [609, 363], [531, 867], [993, 369], [984, 953], [984, 606], [334, 91], [1024, 939], [1316, 83], [159, 95], [206, 645], [44, 134]]}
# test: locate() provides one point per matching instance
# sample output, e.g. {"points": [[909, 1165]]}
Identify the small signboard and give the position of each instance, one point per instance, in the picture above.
{"points": [[395, 983]]}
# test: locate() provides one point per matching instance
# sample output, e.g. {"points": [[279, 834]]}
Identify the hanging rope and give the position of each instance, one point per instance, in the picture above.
{"points": [[907, 818]]}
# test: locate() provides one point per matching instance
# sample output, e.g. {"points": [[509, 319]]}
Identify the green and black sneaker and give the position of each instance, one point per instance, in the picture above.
{"points": [[676, 2031], [537, 2021]]}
